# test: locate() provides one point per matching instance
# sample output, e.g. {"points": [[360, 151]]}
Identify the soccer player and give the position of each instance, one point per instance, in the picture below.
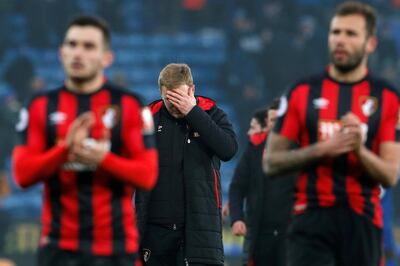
{"points": [[91, 144], [180, 220], [345, 122], [268, 200]]}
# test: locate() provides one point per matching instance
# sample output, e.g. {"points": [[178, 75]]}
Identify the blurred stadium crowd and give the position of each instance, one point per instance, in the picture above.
{"points": [[243, 53]]}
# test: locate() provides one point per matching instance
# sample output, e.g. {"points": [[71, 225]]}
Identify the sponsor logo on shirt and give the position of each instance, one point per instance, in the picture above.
{"points": [[327, 128]]}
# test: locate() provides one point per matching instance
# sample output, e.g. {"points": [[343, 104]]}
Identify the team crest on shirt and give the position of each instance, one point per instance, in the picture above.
{"points": [[110, 116], [368, 104], [283, 106], [23, 120], [146, 254]]}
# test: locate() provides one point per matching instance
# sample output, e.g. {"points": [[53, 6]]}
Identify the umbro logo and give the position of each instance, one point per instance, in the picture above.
{"points": [[320, 103], [57, 118]]}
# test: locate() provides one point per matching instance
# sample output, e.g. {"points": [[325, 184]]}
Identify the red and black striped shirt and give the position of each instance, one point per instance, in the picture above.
{"points": [[311, 111], [87, 209]]}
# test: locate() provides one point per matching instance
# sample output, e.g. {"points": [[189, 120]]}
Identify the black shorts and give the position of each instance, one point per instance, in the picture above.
{"points": [[49, 256], [333, 237]]}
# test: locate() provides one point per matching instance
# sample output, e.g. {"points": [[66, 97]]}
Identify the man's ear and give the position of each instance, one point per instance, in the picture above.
{"points": [[192, 89], [372, 44], [108, 59]]}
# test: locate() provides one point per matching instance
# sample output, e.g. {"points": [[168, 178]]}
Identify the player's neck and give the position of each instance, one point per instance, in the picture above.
{"points": [[85, 87], [349, 77]]}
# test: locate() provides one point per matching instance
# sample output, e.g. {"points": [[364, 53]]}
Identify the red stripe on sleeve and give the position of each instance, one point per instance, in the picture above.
{"points": [[139, 166], [31, 163], [389, 116], [36, 133]]}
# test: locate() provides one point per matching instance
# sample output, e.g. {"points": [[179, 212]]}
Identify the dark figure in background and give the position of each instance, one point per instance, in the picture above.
{"points": [[180, 220], [19, 75], [346, 124], [90, 143], [269, 201]]}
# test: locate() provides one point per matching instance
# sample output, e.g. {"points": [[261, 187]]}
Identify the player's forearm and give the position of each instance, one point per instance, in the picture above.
{"points": [[286, 161], [141, 171], [30, 168], [380, 170]]}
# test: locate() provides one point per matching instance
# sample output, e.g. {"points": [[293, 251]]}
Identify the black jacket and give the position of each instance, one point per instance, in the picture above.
{"points": [[264, 197], [210, 139]]}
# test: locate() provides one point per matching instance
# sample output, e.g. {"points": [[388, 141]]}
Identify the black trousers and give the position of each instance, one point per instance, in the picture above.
{"points": [[270, 249], [163, 246], [49, 256], [334, 236]]}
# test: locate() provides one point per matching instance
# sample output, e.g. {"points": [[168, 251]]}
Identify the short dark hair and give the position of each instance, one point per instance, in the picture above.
{"points": [[93, 21], [365, 10], [261, 116], [274, 105]]}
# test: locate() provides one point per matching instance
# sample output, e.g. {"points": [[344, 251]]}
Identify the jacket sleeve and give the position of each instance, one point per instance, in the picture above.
{"points": [[140, 165], [32, 162], [239, 187], [215, 131]]}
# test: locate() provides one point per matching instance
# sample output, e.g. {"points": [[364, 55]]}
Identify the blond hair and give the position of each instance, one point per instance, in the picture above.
{"points": [[173, 75]]}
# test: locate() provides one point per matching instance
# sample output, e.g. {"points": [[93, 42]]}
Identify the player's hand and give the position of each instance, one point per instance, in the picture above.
{"points": [[225, 211], [340, 143], [348, 139], [79, 129], [239, 228], [90, 151], [351, 125], [182, 101]]}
